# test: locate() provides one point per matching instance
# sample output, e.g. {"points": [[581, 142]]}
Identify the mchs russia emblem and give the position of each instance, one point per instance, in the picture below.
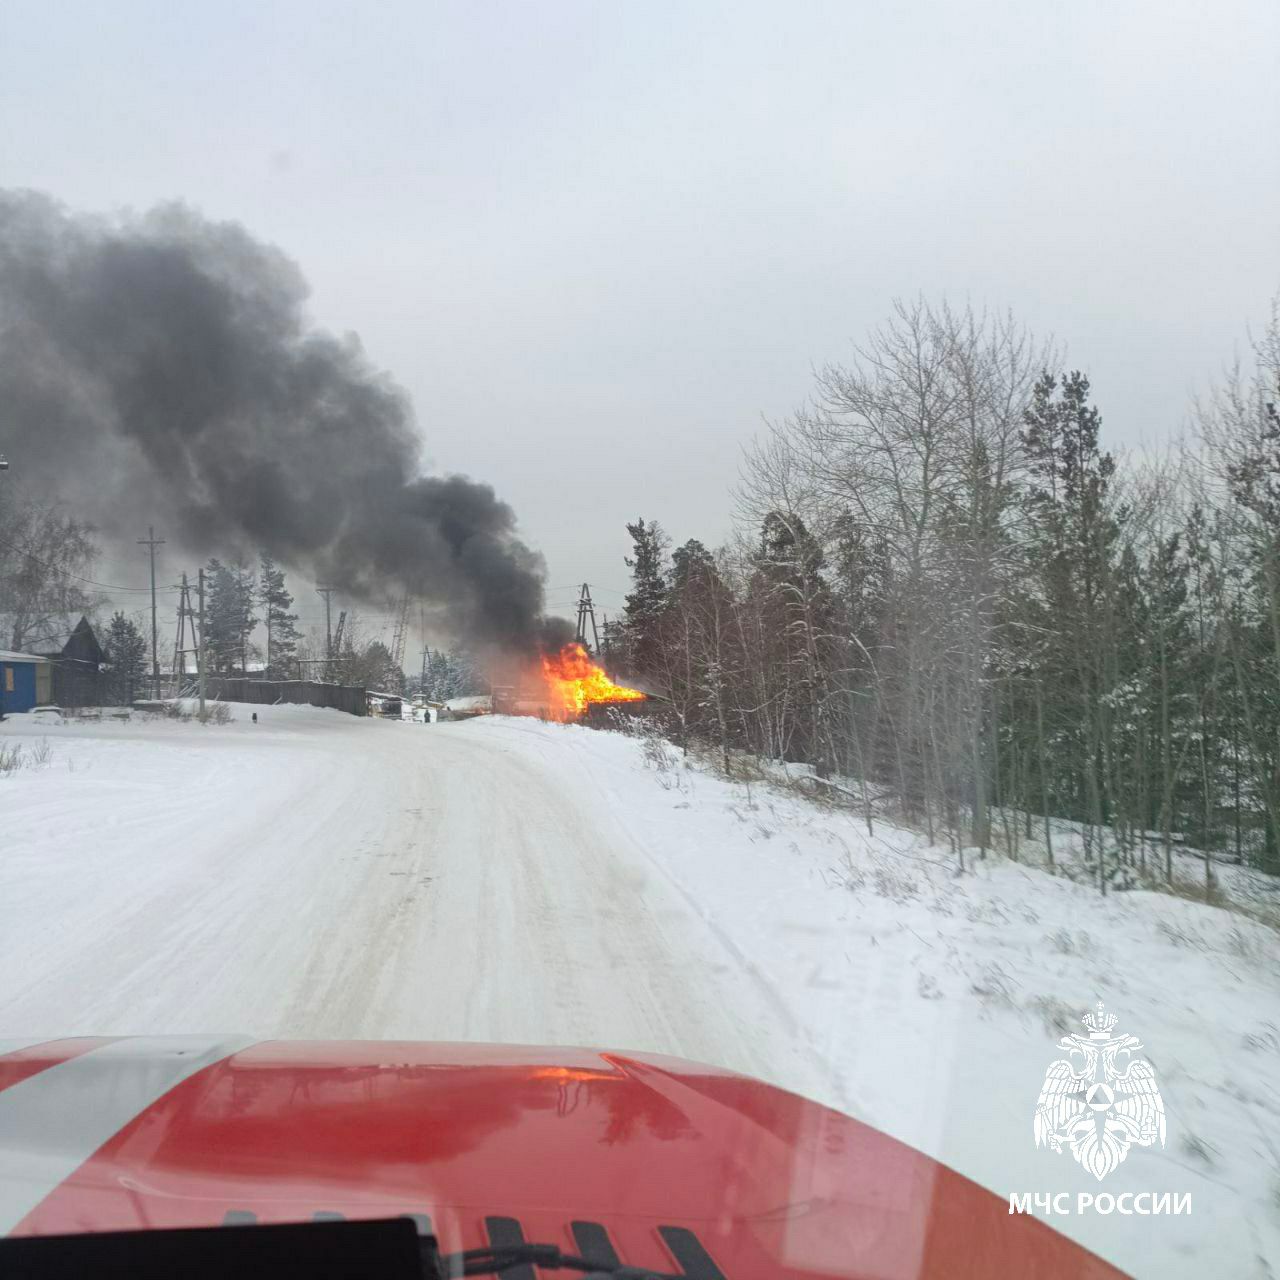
{"points": [[1099, 1100]]}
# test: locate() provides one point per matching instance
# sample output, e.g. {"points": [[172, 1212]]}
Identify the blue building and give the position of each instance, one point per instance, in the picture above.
{"points": [[26, 681]]}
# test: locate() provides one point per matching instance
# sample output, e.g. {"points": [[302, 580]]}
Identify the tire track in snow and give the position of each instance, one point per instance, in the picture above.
{"points": [[341, 878], [805, 1059]]}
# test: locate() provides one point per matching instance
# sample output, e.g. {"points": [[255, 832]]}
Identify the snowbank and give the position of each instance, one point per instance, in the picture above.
{"points": [[931, 1003], [320, 875]]}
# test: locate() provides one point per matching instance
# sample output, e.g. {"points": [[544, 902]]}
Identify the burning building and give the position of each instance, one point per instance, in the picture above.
{"points": [[565, 686]]}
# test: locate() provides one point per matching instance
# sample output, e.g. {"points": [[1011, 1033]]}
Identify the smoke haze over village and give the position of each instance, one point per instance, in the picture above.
{"points": [[166, 361]]}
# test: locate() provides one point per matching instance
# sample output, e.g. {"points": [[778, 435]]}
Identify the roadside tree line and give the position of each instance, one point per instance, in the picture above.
{"points": [[946, 588]]}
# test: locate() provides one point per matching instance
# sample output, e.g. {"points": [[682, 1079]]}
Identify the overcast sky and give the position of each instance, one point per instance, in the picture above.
{"points": [[599, 242]]}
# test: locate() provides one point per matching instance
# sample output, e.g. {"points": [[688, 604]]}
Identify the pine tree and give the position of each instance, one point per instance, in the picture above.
{"points": [[1135, 779], [1072, 559], [374, 668], [245, 602], [1254, 479], [680, 649], [1168, 636], [229, 616], [466, 679], [1210, 695], [860, 574], [799, 616], [648, 598], [974, 554], [689, 563], [282, 634], [126, 656], [436, 687], [221, 629], [861, 588], [451, 675], [704, 655]]}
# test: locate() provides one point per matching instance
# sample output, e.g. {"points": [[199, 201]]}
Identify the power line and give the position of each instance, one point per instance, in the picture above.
{"points": [[66, 573]]}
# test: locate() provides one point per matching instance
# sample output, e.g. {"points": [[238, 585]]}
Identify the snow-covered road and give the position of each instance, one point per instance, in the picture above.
{"points": [[318, 876]]}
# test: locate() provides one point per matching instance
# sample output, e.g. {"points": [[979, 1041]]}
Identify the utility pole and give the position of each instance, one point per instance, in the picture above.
{"points": [[200, 647], [188, 637], [153, 542], [180, 650], [328, 623], [426, 652], [587, 610]]}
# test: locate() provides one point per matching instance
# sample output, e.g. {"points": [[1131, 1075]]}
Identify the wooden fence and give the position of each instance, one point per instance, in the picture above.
{"points": [[342, 697]]}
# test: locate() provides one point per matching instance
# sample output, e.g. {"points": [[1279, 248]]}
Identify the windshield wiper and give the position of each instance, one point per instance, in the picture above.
{"points": [[326, 1249], [493, 1261]]}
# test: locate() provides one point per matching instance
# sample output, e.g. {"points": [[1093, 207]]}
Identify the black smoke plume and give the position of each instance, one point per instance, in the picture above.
{"points": [[160, 369]]}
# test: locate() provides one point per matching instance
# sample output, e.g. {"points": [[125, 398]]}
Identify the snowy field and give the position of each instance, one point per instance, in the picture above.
{"points": [[320, 876]]}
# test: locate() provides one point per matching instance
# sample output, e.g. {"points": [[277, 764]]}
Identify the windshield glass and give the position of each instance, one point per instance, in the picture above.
{"points": [[735, 548]]}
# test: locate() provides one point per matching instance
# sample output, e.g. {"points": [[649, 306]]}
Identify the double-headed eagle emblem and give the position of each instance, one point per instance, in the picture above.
{"points": [[1099, 1100]]}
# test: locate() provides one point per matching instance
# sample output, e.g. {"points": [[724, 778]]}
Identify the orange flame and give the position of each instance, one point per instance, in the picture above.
{"points": [[574, 682]]}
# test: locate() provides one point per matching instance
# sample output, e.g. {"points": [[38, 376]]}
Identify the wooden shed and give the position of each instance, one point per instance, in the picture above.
{"points": [[78, 677]]}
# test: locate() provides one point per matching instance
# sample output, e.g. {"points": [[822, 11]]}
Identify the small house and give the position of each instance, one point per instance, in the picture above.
{"points": [[25, 681]]}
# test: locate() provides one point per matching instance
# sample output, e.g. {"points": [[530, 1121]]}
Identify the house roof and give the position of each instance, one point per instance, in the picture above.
{"points": [[9, 655]]}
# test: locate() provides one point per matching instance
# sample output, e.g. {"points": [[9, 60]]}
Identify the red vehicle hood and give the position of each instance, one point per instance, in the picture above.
{"points": [[100, 1135]]}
